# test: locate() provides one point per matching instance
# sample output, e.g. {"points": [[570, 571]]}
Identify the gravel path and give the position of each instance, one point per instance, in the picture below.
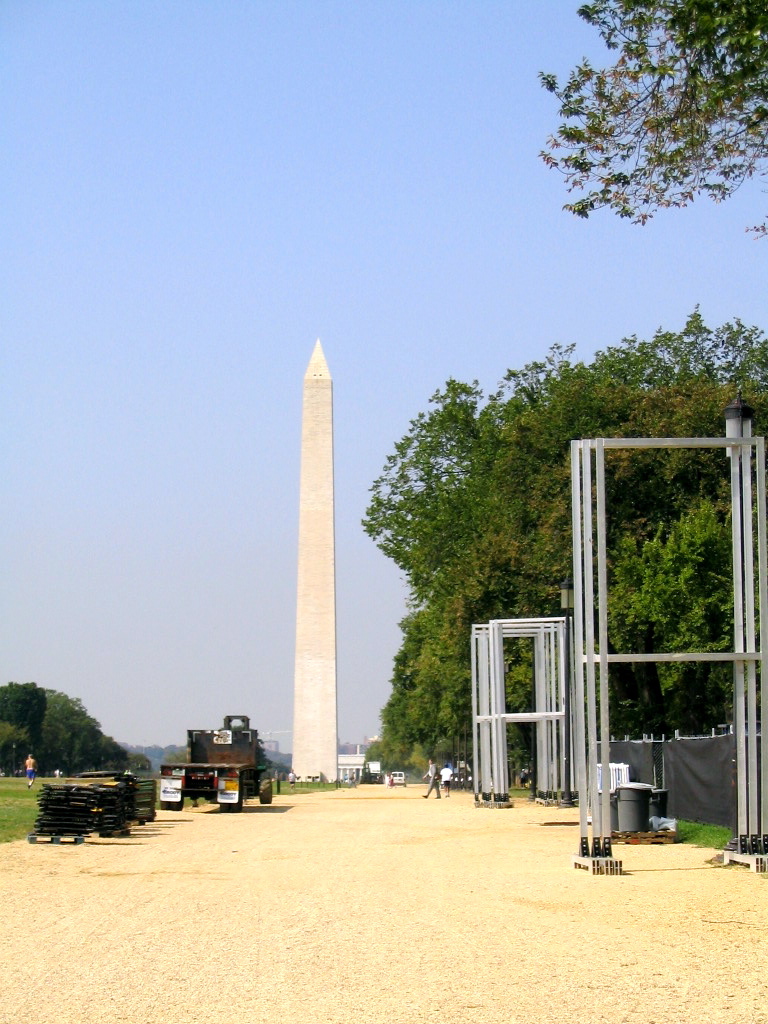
{"points": [[373, 907]]}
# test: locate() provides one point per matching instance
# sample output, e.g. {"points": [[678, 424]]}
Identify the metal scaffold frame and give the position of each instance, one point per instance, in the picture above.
{"points": [[592, 659], [489, 709]]}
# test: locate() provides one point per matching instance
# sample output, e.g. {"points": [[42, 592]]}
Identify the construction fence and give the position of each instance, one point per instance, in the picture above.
{"points": [[698, 773]]}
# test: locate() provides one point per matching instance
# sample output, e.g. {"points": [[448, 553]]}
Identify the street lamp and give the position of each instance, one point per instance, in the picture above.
{"points": [[738, 418], [566, 604]]}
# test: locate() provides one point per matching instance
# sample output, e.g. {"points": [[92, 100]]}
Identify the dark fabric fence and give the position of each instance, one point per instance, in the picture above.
{"points": [[638, 754], [700, 776]]}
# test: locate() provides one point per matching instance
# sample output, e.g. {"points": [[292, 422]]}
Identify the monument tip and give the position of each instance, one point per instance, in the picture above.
{"points": [[318, 367]]}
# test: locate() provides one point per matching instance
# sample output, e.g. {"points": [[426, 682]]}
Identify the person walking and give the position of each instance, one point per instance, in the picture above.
{"points": [[446, 774], [434, 780], [31, 768]]}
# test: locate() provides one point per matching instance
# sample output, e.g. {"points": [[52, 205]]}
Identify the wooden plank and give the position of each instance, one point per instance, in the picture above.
{"points": [[662, 838]]}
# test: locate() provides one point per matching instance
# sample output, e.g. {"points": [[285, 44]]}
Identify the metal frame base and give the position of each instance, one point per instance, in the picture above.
{"points": [[754, 861], [598, 865]]}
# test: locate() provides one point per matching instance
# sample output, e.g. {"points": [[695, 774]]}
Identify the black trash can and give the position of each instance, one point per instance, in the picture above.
{"points": [[634, 799], [658, 805]]}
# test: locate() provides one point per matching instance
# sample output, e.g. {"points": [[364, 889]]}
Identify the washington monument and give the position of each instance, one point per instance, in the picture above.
{"points": [[315, 742]]}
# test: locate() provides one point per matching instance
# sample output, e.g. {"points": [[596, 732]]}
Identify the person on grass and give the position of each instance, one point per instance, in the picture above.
{"points": [[31, 768]]}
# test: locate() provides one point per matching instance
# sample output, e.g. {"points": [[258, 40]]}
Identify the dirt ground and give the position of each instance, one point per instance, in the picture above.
{"points": [[373, 907]]}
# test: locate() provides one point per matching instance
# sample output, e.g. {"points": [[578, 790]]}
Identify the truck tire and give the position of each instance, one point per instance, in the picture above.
{"points": [[265, 791], [172, 805]]}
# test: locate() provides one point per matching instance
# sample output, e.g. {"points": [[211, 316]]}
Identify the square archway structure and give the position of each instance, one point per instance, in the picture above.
{"points": [[489, 712], [746, 455]]}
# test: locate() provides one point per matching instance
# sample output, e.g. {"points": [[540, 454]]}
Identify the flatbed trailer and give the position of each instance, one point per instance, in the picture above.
{"points": [[223, 768]]}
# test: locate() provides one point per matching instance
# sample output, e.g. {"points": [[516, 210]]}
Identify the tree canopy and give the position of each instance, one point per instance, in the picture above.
{"points": [[474, 508], [58, 730], [682, 112], [23, 705]]}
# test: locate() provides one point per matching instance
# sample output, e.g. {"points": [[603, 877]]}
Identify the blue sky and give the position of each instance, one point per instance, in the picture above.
{"points": [[192, 193]]}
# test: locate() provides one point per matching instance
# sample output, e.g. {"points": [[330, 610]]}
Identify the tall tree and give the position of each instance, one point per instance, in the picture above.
{"points": [[71, 738], [682, 112], [12, 741], [674, 593], [111, 756], [23, 705], [414, 515]]}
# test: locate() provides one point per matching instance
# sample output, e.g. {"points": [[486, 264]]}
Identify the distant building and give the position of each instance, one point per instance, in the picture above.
{"points": [[353, 748], [351, 765]]}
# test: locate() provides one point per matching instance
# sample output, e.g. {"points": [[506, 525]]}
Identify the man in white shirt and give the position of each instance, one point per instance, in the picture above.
{"points": [[446, 774]]}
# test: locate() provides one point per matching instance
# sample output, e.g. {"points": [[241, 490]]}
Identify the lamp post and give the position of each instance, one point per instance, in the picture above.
{"points": [[566, 604]]}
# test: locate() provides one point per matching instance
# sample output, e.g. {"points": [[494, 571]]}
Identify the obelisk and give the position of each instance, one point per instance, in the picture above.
{"points": [[315, 743]]}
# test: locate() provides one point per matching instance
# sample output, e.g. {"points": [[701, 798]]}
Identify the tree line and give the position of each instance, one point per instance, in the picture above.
{"points": [[56, 729], [474, 507]]}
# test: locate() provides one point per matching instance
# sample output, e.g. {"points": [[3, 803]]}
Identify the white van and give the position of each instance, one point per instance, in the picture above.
{"points": [[398, 778]]}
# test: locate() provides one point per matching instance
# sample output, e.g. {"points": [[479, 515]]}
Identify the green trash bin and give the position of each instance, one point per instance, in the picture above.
{"points": [[634, 799]]}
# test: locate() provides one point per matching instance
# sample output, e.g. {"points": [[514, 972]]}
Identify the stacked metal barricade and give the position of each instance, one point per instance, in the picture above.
{"points": [[99, 803]]}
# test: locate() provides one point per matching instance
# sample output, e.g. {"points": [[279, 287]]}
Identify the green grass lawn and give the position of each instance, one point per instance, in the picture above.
{"points": [[18, 808], [713, 836], [309, 787]]}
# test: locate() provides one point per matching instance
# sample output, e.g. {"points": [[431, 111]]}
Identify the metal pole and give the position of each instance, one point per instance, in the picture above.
{"points": [[745, 459], [501, 725], [567, 795], [540, 704], [602, 585], [534, 771], [496, 661], [762, 557], [553, 704], [482, 746], [733, 428], [578, 642], [589, 640]]}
